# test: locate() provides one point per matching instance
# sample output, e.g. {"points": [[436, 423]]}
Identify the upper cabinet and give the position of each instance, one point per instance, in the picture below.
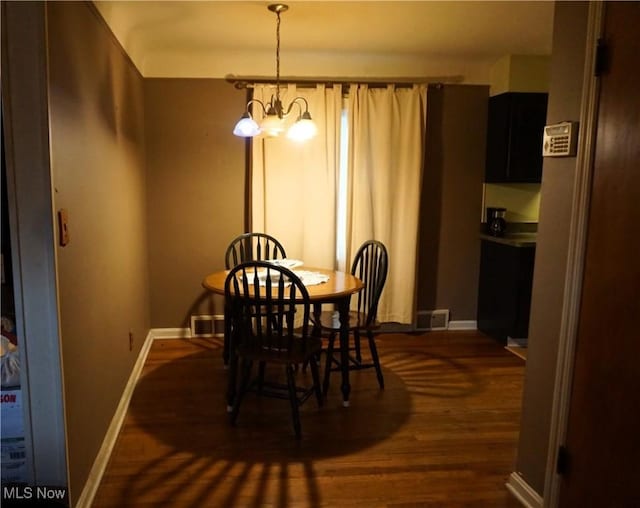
{"points": [[514, 137]]}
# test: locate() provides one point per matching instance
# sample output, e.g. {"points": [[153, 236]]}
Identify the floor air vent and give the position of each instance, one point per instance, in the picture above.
{"points": [[432, 319], [207, 326]]}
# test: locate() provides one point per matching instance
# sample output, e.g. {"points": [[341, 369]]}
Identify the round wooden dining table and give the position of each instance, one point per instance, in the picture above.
{"points": [[336, 290]]}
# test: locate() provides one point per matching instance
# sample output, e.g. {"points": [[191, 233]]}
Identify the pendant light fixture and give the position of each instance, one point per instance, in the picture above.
{"points": [[273, 122]]}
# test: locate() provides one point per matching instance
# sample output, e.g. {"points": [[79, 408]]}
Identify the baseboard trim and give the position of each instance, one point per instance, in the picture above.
{"points": [[170, 333], [109, 441], [463, 325], [523, 492]]}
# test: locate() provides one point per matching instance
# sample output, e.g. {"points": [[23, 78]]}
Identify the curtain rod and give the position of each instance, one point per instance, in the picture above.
{"points": [[242, 82]]}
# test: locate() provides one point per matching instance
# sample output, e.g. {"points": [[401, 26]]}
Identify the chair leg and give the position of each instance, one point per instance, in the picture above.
{"points": [[374, 356], [356, 342], [227, 335], [316, 331], [315, 358], [316, 380], [293, 399], [233, 381], [244, 384], [328, 363]]}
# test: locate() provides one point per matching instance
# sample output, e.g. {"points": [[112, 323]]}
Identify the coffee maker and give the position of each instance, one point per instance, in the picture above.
{"points": [[496, 224]]}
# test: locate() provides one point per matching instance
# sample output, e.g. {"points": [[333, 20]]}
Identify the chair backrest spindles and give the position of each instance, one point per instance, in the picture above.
{"points": [[253, 247], [266, 313], [370, 264]]}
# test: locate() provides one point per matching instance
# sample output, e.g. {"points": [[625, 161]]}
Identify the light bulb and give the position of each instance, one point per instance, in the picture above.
{"points": [[246, 127], [303, 130], [272, 125]]}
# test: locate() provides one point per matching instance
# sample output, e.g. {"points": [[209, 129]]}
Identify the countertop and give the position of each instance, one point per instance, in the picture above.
{"points": [[518, 234]]}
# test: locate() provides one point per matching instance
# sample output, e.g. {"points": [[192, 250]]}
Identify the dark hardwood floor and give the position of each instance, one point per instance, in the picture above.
{"points": [[443, 433]]}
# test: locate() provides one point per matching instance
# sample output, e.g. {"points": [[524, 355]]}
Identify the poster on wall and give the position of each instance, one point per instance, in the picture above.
{"points": [[12, 443]]}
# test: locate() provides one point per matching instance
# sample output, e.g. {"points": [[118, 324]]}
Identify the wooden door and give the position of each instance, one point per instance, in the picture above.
{"points": [[603, 434]]}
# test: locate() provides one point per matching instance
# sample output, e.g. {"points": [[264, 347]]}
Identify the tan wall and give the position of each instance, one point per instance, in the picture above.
{"points": [[145, 225], [565, 91], [520, 73], [522, 200], [451, 202], [98, 171], [195, 191]]}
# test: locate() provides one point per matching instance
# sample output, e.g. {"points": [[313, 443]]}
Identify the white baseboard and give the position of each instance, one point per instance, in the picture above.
{"points": [[523, 492], [170, 333], [463, 325], [109, 441]]}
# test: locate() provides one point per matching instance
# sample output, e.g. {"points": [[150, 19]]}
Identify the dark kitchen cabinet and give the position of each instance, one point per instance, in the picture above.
{"points": [[504, 292], [514, 137]]}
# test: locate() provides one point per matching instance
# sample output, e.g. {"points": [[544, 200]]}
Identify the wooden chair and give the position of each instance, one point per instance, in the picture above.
{"points": [[248, 247], [371, 264], [264, 302], [253, 247]]}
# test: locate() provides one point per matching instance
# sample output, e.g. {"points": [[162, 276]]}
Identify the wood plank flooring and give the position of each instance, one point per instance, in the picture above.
{"points": [[443, 433]]}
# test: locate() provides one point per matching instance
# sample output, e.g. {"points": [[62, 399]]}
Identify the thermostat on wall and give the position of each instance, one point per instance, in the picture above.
{"points": [[560, 140]]}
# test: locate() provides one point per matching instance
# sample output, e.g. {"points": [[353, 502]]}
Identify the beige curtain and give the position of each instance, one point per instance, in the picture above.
{"points": [[294, 185], [386, 136]]}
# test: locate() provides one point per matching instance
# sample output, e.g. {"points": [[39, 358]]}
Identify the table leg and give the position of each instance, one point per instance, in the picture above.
{"points": [[343, 312], [317, 329]]}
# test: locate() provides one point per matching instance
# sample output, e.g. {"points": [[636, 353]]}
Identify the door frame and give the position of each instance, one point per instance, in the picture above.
{"points": [[25, 110], [576, 255]]}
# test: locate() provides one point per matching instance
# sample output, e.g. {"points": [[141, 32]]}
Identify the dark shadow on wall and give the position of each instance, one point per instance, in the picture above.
{"points": [[204, 304], [430, 202]]}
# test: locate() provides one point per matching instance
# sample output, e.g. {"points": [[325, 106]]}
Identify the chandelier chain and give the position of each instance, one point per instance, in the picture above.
{"points": [[278, 56]]}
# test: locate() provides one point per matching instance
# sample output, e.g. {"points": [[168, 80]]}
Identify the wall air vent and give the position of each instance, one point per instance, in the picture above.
{"points": [[432, 319], [207, 326]]}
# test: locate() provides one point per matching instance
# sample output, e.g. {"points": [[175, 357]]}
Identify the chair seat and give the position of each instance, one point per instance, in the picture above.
{"points": [[330, 320], [297, 354]]}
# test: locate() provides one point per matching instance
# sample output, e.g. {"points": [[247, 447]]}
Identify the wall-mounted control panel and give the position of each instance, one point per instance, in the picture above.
{"points": [[560, 140]]}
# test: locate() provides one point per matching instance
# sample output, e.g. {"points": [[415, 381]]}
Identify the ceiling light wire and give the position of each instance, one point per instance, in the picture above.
{"points": [[274, 113]]}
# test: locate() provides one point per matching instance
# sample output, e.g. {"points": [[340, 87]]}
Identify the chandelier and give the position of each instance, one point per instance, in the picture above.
{"points": [[274, 112]]}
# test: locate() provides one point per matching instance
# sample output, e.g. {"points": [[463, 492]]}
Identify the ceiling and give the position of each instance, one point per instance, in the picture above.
{"points": [[336, 39]]}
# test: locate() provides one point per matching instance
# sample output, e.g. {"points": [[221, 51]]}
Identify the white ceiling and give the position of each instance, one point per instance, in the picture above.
{"points": [[336, 39]]}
